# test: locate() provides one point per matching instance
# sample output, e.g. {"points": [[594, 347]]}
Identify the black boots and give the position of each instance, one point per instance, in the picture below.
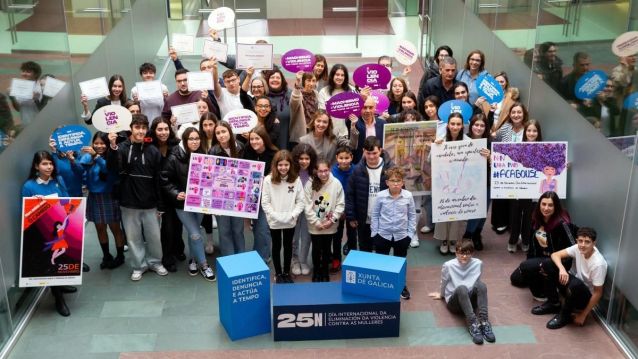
{"points": [[60, 303]]}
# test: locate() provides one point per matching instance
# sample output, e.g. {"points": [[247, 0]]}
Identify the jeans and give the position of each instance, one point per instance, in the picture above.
{"points": [[231, 235], [476, 225], [351, 235], [277, 234], [191, 222], [143, 255], [426, 203], [261, 235], [321, 253], [466, 301], [301, 240], [171, 237]]}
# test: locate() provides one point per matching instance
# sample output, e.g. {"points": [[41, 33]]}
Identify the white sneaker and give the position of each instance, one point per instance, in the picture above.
{"points": [[192, 268], [207, 273], [414, 243], [540, 299], [160, 270], [511, 248], [452, 247], [305, 269], [125, 248], [426, 229], [137, 274], [295, 267], [444, 248], [214, 222]]}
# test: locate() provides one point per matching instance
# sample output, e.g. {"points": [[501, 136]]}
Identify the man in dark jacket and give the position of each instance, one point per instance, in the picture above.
{"points": [[367, 179], [138, 165]]}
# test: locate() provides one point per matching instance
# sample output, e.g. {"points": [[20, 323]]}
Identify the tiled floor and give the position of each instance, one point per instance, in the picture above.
{"points": [[177, 317]]}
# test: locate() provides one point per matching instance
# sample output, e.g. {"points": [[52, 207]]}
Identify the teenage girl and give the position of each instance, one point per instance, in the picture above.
{"points": [[231, 229], [304, 159], [117, 96], [44, 181], [431, 110], [103, 208], [207, 124], [282, 200], [325, 203]]}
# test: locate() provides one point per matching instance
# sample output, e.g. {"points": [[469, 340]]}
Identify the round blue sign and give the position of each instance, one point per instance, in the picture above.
{"points": [[631, 101], [459, 106], [590, 84], [489, 88]]}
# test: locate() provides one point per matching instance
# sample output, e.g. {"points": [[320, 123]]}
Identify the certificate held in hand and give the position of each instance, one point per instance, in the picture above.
{"points": [[185, 113], [183, 43], [148, 90], [95, 88], [215, 49], [22, 89], [258, 56], [199, 81]]}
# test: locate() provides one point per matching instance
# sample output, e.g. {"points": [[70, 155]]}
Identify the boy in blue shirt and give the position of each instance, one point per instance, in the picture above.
{"points": [[393, 219], [342, 171]]}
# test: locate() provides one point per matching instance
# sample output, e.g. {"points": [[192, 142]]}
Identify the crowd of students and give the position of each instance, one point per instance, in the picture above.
{"points": [[323, 176]]}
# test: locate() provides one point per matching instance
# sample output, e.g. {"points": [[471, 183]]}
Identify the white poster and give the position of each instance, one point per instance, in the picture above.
{"points": [[258, 56]]}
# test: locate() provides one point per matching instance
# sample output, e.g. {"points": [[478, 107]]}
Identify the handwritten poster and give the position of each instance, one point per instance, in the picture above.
{"points": [[459, 181], [408, 145], [224, 186], [528, 169], [52, 241]]}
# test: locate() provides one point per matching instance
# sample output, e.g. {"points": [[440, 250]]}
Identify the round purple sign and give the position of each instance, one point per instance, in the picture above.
{"points": [[373, 75], [383, 102], [298, 60], [344, 104]]}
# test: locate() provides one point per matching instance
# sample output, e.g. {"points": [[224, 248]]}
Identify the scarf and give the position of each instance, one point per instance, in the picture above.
{"points": [[309, 105], [283, 101]]}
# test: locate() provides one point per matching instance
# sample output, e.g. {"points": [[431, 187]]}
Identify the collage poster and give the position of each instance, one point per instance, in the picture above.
{"points": [[408, 145], [52, 241], [224, 186], [459, 181]]}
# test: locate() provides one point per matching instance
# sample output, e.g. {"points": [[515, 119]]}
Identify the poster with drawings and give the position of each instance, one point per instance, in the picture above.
{"points": [[224, 186]]}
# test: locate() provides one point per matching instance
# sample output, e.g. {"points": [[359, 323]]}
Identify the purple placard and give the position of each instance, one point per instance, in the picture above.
{"points": [[383, 102], [344, 104], [373, 75], [298, 60]]}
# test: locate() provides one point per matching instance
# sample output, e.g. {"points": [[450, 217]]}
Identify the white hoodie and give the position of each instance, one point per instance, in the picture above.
{"points": [[327, 203], [282, 202]]}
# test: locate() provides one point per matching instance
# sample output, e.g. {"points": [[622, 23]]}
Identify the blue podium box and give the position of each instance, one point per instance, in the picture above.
{"points": [[244, 295], [373, 275], [317, 311]]}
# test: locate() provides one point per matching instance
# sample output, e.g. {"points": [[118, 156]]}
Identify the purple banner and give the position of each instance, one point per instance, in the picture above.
{"points": [[372, 75], [298, 60], [344, 104], [383, 102]]}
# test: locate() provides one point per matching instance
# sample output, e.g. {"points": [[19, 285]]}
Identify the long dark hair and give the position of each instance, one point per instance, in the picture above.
{"points": [[185, 136], [304, 149], [331, 81], [105, 138], [478, 117], [559, 214], [263, 134], [172, 138], [536, 124], [122, 97], [316, 182], [208, 116], [324, 74], [271, 119], [283, 155], [284, 83], [448, 134], [232, 144], [39, 157]]}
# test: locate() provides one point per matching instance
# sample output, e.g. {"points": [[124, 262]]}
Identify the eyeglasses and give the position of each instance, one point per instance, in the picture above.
{"points": [[258, 86]]}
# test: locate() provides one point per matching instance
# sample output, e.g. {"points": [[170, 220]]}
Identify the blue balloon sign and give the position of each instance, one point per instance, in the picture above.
{"points": [[489, 88], [458, 106], [631, 101], [590, 84], [71, 138]]}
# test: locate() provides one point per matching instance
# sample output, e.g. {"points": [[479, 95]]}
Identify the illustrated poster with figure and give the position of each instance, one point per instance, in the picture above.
{"points": [[459, 180], [224, 186], [408, 145], [52, 241], [526, 170]]}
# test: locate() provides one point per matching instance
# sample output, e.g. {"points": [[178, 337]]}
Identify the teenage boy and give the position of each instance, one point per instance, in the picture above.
{"points": [[138, 165], [151, 107], [366, 181], [342, 171], [29, 107], [393, 219], [582, 286], [464, 293], [231, 97]]}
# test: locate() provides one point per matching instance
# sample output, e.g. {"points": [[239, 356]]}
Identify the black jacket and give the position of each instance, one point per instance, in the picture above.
{"points": [[174, 176], [138, 165], [557, 239], [358, 189]]}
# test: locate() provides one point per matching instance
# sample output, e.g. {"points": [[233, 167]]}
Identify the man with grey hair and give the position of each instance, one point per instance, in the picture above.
{"points": [[582, 62], [442, 85]]}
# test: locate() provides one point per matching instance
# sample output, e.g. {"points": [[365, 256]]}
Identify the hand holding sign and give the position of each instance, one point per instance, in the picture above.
{"points": [[455, 106], [221, 18], [344, 104], [71, 138], [405, 52], [588, 86], [112, 118], [242, 121], [489, 88], [298, 60], [373, 75], [382, 101]]}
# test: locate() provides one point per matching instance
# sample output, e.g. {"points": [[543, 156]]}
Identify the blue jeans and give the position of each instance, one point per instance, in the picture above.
{"points": [[476, 225], [261, 235], [191, 221], [301, 242], [231, 235]]}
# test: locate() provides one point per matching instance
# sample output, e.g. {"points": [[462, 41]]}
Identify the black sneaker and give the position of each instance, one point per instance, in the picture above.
{"points": [[488, 334], [192, 268], [107, 262], [207, 273], [287, 278], [346, 249], [117, 261], [405, 293], [475, 331], [279, 279], [546, 308]]}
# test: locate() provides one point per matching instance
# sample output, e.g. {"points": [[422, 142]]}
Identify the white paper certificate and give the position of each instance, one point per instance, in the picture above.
{"points": [[52, 86], [183, 43], [22, 89], [259, 56], [149, 90], [199, 81], [95, 88], [185, 113], [215, 49]]}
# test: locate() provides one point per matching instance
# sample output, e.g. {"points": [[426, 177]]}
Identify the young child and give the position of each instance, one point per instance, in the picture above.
{"points": [[342, 171], [282, 200], [324, 207], [305, 160], [393, 220], [582, 286], [463, 291]]}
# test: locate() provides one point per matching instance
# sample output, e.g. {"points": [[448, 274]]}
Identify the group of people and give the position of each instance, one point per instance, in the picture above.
{"points": [[323, 176]]}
